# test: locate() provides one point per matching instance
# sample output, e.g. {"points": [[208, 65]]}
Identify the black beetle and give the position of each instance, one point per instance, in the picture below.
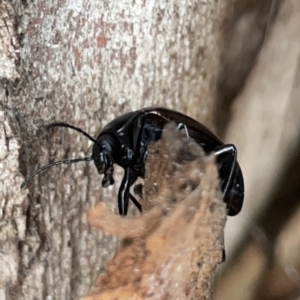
{"points": [[124, 141]]}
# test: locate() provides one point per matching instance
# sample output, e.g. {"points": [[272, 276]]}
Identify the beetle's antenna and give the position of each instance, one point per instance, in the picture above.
{"points": [[60, 162], [61, 124], [56, 163]]}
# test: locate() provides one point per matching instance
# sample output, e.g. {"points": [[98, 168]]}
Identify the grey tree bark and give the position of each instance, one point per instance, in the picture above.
{"points": [[85, 62]]}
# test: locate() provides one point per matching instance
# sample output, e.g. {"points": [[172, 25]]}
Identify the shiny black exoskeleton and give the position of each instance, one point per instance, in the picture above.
{"points": [[124, 141]]}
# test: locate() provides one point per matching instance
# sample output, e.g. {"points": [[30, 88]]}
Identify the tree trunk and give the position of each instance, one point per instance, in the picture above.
{"points": [[85, 62]]}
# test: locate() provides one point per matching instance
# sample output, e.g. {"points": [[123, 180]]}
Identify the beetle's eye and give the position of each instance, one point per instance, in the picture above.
{"points": [[99, 158], [106, 146]]}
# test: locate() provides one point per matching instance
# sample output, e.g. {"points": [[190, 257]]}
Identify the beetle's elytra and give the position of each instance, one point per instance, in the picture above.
{"points": [[124, 141]]}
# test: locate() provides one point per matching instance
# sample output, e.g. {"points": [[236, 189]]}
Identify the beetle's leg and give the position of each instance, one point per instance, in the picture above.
{"points": [[123, 195], [227, 163], [183, 126], [135, 202]]}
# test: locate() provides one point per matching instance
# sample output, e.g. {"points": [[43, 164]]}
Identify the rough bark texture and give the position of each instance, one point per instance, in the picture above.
{"points": [[85, 62], [9, 44]]}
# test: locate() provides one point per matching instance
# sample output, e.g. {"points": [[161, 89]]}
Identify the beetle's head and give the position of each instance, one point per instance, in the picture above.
{"points": [[103, 157]]}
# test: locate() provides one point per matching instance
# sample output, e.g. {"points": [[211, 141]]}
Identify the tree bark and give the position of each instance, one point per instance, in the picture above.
{"points": [[266, 127], [85, 63]]}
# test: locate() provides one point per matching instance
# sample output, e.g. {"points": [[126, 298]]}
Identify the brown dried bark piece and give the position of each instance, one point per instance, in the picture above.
{"points": [[171, 251]]}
